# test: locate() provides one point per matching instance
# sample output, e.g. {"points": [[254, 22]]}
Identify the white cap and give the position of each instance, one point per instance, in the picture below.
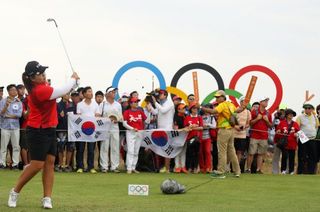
{"points": [[263, 99]]}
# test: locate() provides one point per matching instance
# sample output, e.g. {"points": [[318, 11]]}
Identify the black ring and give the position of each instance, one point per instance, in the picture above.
{"points": [[202, 66]]}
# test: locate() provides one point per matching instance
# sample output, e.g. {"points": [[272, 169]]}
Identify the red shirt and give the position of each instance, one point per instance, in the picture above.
{"points": [[135, 118], [194, 120], [260, 125], [43, 111], [292, 140]]}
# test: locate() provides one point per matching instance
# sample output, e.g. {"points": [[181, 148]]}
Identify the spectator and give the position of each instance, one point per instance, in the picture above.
{"points": [[307, 152], [165, 112], [288, 128], [260, 122], [240, 131], [24, 150], [99, 97], [91, 109], [205, 157], [62, 135], [10, 111], [278, 117], [225, 138], [195, 124], [134, 122], [178, 120], [112, 109]]}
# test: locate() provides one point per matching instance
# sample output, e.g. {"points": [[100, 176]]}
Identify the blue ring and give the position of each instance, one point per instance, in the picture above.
{"points": [[136, 64]]}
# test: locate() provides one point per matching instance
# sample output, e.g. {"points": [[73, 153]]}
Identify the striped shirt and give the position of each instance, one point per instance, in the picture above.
{"points": [[14, 108]]}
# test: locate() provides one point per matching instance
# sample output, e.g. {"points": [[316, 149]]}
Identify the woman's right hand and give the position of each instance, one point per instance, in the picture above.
{"points": [[75, 76]]}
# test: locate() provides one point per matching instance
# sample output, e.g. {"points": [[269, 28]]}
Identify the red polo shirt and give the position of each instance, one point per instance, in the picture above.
{"points": [[260, 129], [43, 111]]}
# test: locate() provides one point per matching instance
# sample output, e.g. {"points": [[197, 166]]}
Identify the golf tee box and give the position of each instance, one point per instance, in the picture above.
{"points": [[138, 190]]}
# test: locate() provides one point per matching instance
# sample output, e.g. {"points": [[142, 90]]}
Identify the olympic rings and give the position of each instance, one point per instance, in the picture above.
{"points": [[140, 189], [172, 89], [266, 71]]}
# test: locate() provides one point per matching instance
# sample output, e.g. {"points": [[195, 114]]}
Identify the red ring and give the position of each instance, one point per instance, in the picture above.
{"points": [[266, 71]]}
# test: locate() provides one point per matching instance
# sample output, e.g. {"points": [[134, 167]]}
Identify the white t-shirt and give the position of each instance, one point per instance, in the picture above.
{"points": [[88, 109]]}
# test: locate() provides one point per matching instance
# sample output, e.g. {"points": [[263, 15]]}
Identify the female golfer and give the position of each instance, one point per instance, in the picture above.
{"points": [[41, 130]]}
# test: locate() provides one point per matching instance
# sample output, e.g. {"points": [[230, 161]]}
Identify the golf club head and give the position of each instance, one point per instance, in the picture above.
{"points": [[51, 19]]}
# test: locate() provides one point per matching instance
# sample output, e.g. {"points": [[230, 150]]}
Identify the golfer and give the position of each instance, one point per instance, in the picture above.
{"points": [[41, 130]]}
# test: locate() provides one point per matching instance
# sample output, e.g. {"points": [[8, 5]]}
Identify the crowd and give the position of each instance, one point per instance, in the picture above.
{"points": [[221, 138]]}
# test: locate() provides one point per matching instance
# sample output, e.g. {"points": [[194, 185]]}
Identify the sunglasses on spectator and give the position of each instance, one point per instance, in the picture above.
{"points": [[134, 102], [308, 108], [191, 99]]}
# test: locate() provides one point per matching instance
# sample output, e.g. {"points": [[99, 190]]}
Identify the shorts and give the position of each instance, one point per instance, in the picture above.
{"points": [[258, 146], [41, 142], [240, 144], [63, 143], [23, 139]]}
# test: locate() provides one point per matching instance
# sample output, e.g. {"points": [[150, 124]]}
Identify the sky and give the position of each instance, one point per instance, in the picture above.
{"points": [[101, 36]]}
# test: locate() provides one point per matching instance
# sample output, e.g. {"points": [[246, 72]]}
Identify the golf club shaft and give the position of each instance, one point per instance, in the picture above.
{"points": [[65, 49]]}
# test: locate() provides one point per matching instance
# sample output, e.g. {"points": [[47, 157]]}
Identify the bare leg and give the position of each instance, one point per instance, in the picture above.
{"points": [[259, 162], [28, 173], [249, 161], [167, 164], [60, 159], [48, 175], [24, 156], [69, 157]]}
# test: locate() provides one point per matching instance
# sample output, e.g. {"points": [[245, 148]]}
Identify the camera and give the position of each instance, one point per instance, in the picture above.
{"points": [[154, 93]]}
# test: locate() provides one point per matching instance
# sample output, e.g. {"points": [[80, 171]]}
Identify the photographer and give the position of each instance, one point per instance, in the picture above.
{"points": [[165, 111]]}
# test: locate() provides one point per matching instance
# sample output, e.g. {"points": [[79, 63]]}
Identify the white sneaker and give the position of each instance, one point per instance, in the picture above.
{"points": [[283, 172], [13, 198], [46, 203]]}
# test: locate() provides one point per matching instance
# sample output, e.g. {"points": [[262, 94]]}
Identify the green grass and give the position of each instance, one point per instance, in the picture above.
{"points": [[109, 192]]}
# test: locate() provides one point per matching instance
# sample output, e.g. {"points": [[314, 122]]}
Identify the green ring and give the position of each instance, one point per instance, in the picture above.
{"points": [[229, 92]]}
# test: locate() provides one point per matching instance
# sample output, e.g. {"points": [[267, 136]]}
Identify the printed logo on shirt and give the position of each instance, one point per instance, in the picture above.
{"points": [[135, 119]]}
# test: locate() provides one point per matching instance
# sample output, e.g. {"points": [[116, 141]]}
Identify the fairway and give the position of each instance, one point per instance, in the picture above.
{"points": [[109, 192]]}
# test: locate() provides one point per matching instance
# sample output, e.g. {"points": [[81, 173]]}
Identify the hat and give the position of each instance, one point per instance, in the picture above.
{"points": [[162, 91], [290, 111], [176, 98], [220, 93], [242, 98], [263, 99], [307, 104], [194, 104], [109, 89], [75, 93], [181, 106], [33, 67], [114, 115], [134, 99]]}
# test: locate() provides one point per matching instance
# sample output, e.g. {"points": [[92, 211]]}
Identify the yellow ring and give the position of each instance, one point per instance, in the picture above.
{"points": [[175, 91]]}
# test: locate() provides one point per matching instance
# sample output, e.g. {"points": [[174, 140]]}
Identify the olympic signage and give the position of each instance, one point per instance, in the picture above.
{"points": [[233, 94]]}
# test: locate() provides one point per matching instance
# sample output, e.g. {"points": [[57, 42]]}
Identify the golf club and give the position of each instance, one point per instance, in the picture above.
{"points": [[64, 47]]}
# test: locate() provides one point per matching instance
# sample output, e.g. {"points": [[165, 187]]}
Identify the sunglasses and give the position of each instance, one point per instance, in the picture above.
{"points": [[191, 99], [134, 102], [308, 108]]}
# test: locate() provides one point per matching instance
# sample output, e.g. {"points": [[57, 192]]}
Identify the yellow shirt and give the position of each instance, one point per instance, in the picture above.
{"points": [[224, 110]]}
